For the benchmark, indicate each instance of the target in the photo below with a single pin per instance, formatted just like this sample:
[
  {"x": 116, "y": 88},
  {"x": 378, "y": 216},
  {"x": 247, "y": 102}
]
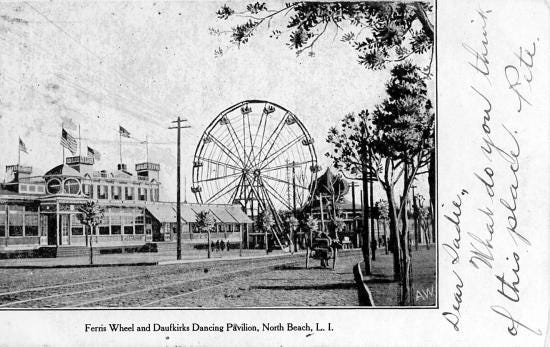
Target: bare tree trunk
[
  {"x": 394, "y": 235},
  {"x": 385, "y": 236},
  {"x": 405, "y": 259},
  {"x": 431, "y": 182},
  {"x": 209, "y": 246},
  {"x": 365, "y": 247},
  {"x": 404, "y": 238}
]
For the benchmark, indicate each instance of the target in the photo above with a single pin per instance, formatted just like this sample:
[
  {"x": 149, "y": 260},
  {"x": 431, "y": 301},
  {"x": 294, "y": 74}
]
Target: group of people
[{"x": 219, "y": 245}]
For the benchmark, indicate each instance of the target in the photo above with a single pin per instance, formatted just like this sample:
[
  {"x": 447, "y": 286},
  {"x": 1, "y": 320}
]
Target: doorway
[{"x": 52, "y": 229}]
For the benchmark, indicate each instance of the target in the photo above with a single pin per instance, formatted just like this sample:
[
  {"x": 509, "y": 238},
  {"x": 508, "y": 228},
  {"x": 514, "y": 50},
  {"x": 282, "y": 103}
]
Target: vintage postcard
[{"x": 216, "y": 173}]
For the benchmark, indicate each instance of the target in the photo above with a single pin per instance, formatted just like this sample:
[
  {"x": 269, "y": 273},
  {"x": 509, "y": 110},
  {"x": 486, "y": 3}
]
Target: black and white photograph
[
  {"x": 229, "y": 158},
  {"x": 159, "y": 159}
]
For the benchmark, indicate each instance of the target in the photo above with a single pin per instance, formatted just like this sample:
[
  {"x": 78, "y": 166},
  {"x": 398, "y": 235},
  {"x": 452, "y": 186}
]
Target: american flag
[
  {"x": 123, "y": 132},
  {"x": 92, "y": 153},
  {"x": 22, "y": 146},
  {"x": 68, "y": 141}
]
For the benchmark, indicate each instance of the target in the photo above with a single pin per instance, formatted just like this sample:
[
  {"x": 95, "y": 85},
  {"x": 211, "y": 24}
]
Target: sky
[{"x": 141, "y": 65}]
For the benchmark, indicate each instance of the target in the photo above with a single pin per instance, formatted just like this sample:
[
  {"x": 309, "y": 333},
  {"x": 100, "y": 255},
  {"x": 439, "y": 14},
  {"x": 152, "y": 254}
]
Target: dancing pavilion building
[{"x": 39, "y": 214}]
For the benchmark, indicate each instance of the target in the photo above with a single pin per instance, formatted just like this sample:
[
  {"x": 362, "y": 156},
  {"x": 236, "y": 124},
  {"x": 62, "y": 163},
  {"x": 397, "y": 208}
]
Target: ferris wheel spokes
[
  {"x": 222, "y": 192},
  {"x": 276, "y": 194},
  {"x": 216, "y": 162},
  {"x": 286, "y": 166},
  {"x": 277, "y": 131},
  {"x": 226, "y": 150},
  {"x": 218, "y": 177},
  {"x": 284, "y": 182},
  {"x": 279, "y": 151},
  {"x": 232, "y": 133}
]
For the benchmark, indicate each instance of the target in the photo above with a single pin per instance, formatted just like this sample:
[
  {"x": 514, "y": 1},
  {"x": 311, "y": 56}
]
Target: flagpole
[
  {"x": 79, "y": 143},
  {"x": 19, "y": 154},
  {"x": 147, "y": 147},
  {"x": 120, "y": 142}
]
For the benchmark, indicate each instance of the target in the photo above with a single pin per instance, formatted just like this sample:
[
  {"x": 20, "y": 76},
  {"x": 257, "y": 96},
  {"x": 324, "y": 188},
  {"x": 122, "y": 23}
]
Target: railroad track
[
  {"x": 137, "y": 290},
  {"x": 14, "y": 297}
]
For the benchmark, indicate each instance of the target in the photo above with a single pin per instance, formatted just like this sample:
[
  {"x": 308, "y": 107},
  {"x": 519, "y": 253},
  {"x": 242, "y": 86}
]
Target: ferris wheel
[{"x": 256, "y": 154}]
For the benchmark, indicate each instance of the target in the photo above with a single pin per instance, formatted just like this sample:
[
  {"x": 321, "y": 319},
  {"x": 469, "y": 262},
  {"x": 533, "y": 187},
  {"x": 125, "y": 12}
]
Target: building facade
[{"x": 42, "y": 211}]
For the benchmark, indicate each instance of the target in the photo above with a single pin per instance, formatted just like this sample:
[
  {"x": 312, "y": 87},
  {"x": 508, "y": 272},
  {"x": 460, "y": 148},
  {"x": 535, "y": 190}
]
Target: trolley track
[
  {"x": 164, "y": 284},
  {"x": 70, "y": 294},
  {"x": 176, "y": 269}
]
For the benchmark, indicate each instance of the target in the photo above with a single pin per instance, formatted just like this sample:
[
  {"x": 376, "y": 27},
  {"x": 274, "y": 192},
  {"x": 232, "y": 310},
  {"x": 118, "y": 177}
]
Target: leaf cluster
[
  {"x": 380, "y": 32},
  {"x": 91, "y": 213},
  {"x": 205, "y": 221},
  {"x": 404, "y": 121},
  {"x": 264, "y": 221}
]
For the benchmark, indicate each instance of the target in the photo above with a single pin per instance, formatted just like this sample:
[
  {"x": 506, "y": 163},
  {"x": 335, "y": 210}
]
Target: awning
[
  {"x": 200, "y": 208},
  {"x": 222, "y": 214},
  {"x": 187, "y": 214},
  {"x": 163, "y": 213},
  {"x": 238, "y": 214}
]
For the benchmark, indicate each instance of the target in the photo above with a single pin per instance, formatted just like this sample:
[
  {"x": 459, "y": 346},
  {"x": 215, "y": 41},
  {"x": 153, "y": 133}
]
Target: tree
[
  {"x": 264, "y": 223},
  {"x": 205, "y": 222},
  {"x": 382, "y": 211},
  {"x": 398, "y": 135},
  {"x": 380, "y": 32},
  {"x": 91, "y": 214},
  {"x": 313, "y": 227},
  {"x": 351, "y": 143},
  {"x": 404, "y": 124}
]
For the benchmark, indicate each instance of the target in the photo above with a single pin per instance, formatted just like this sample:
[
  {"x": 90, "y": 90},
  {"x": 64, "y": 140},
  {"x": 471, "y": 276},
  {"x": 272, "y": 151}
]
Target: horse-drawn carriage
[{"x": 323, "y": 248}]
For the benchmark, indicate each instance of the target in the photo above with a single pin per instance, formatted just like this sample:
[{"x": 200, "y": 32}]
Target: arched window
[
  {"x": 54, "y": 186},
  {"x": 71, "y": 186}
]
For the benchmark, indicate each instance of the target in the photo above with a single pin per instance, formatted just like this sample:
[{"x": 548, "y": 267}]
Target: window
[
  {"x": 139, "y": 229},
  {"x": 142, "y": 192},
  {"x": 115, "y": 192},
  {"x": 88, "y": 190},
  {"x": 128, "y": 222},
  {"x": 44, "y": 225},
  {"x": 76, "y": 227},
  {"x": 16, "y": 224},
  {"x": 103, "y": 230},
  {"x": 129, "y": 193},
  {"x": 31, "y": 225},
  {"x": 115, "y": 229},
  {"x": 71, "y": 186},
  {"x": 54, "y": 186},
  {"x": 2, "y": 223},
  {"x": 64, "y": 219},
  {"x": 102, "y": 192}
]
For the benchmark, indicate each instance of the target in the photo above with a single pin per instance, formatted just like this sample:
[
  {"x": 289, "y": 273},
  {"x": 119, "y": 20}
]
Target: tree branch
[{"x": 313, "y": 41}]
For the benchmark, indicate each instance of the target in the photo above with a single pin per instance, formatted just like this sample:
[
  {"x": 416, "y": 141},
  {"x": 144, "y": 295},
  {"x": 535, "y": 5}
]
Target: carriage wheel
[{"x": 307, "y": 258}]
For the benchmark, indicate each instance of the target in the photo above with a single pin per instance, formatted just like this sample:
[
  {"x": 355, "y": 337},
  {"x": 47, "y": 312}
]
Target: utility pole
[
  {"x": 179, "y": 126},
  {"x": 294, "y": 203},
  {"x": 354, "y": 222},
  {"x": 371, "y": 201},
  {"x": 415, "y": 216}
]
